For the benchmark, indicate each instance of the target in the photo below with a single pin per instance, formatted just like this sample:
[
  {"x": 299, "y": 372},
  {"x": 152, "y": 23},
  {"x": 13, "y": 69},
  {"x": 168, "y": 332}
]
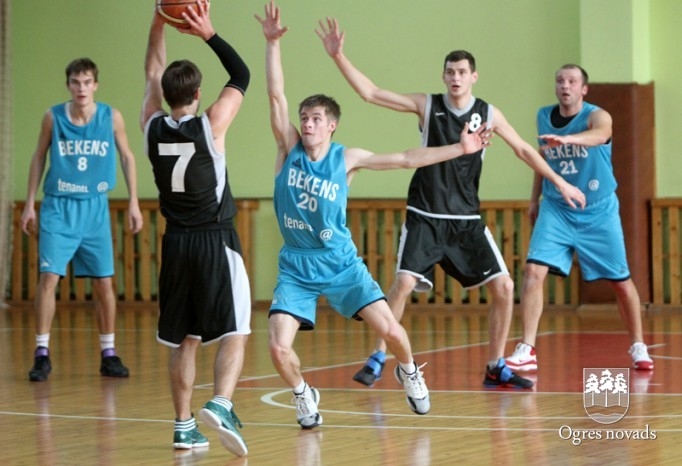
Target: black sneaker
[
  {"x": 502, "y": 376},
  {"x": 371, "y": 371},
  {"x": 41, "y": 366},
  {"x": 113, "y": 367}
]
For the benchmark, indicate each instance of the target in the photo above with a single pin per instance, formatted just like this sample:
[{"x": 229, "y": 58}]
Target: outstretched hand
[
  {"x": 272, "y": 30},
  {"x": 331, "y": 37},
  {"x": 199, "y": 21},
  {"x": 552, "y": 140},
  {"x": 474, "y": 141}
]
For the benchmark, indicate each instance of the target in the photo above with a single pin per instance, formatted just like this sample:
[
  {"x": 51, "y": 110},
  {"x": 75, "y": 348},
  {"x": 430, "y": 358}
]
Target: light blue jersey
[
  {"x": 587, "y": 168},
  {"x": 311, "y": 198},
  {"x": 319, "y": 257},
  {"x": 82, "y": 158},
  {"x": 74, "y": 215},
  {"x": 594, "y": 234}
]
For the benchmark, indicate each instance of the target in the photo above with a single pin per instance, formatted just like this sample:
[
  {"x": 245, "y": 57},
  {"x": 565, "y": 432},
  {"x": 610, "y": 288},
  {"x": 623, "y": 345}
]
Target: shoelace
[
  {"x": 417, "y": 383},
  {"x": 522, "y": 350},
  {"x": 301, "y": 401},
  {"x": 235, "y": 419},
  {"x": 639, "y": 352}
]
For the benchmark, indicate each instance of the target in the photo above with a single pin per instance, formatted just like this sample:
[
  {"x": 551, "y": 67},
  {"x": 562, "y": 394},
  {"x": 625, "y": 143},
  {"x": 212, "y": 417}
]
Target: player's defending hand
[
  {"x": 476, "y": 140},
  {"x": 332, "y": 39},
  {"x": 272, "y": 30}
]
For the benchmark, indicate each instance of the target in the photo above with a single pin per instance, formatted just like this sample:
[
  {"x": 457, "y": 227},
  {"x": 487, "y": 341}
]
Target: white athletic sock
[
  {"x": 222, "y": 401},
  {"x": 186, "y": 425},
  {"x": 106, "y": 341},
  {"x": 300, "y": 388},
  {"x": 43, "y": 340},
  {"x": 409, "y": 368}
]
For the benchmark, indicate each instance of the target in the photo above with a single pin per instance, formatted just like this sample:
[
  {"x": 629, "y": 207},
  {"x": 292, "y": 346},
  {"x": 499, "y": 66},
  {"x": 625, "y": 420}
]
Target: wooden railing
[
  {"x": 375, "y": 225},
  {"x": 137, "y": 258},
  {"x": 666, "y": 251}
]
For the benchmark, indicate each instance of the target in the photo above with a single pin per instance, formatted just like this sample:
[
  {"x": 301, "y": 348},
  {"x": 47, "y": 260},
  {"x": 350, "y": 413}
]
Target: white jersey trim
[{"x": 445, "y": 216}]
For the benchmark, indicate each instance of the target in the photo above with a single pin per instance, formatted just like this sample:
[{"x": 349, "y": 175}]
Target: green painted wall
[
  {"x": 666, "y": 37},
  {"x": 400, "y": 44}
]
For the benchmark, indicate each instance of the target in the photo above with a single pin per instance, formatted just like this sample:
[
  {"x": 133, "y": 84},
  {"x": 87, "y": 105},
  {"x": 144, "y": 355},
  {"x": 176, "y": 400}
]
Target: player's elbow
[
  {"x": 411, "y": 162},
  {"x": 367, "y": 97},
  {"x": 603, "y": 138},
  {"x": 408, "y": 159},
  {"x": 370, "y": 94}
]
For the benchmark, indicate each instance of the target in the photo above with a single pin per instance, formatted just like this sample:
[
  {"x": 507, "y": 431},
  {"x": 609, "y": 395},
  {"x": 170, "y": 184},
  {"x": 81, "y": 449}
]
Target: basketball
[{"x": 171, "y": 11}]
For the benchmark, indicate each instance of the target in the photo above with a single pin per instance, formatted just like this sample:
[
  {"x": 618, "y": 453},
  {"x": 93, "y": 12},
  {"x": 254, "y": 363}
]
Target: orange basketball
[{"x": 171, "y": 11}]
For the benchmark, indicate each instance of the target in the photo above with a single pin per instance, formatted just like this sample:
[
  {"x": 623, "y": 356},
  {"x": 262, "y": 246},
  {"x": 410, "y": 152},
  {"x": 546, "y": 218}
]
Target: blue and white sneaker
[
  {"x": 371, "y": 372},
  {"x": 502, "y": 376}
]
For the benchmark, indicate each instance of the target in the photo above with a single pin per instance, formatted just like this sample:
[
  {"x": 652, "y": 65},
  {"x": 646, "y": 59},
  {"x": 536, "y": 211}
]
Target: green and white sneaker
[
  {"x": 188, "y": 439},
  {"x": 225, "y": 423}
]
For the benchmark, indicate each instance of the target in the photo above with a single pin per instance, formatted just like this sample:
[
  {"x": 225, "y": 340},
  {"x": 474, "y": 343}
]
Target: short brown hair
[
  {"x": 571, "y": 66},
  {"x": 331, "y": 108},
  {"x": 458, "y": 55},
  {"x": 180, "y": 82},
  {"x": 81, "y": 65}
]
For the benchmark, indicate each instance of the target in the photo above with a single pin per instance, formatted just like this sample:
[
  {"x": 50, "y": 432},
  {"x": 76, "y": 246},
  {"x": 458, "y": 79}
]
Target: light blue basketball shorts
[
  {"x": 594, "y": 234},
  {"x": 339, "y": 275},
  {"x": 77, "y": 231}
]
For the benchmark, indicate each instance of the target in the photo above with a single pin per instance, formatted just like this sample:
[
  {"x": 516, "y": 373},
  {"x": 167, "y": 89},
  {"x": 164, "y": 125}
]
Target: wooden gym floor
[{"x": 78, "y": 417}]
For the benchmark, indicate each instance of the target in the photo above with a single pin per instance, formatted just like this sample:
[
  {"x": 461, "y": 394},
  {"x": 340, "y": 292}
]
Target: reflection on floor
[{"x": 78, "y": 417}]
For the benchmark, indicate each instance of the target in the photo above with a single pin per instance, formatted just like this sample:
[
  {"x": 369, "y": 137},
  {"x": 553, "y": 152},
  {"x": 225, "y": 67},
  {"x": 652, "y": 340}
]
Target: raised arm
[
  {"x": 533, "y": 159},
  {"x": 154, "y": 65},
  {"x": 222, "y": 112},
  {"x": 332, "y": 39},
  {"x": 357, "y": 159},
  {"x": 286, "y": 135}
]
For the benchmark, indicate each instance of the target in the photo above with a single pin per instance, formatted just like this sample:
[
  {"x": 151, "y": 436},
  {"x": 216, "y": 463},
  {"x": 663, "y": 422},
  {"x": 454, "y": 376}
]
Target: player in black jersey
[
  {"x": 319, "y": 257},
  {"x": 204, "y": 293},
  {"x": 443, "y": 223}
]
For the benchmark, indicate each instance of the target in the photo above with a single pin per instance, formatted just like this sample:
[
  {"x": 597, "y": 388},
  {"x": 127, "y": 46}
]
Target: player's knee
[
  {"x": 394, "y": 333},
  {"x": 48, "y": 282},
  {"x": 403, "y": 284},
  {"x": 624, "y": 288},
  {"x": 103, "y": 285},
  {"x": 503, "y": 287},
  {"x": 533, "y": 275},
  {"x": 507, "y": 284},
  {"x": 279, "y": 353}
]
